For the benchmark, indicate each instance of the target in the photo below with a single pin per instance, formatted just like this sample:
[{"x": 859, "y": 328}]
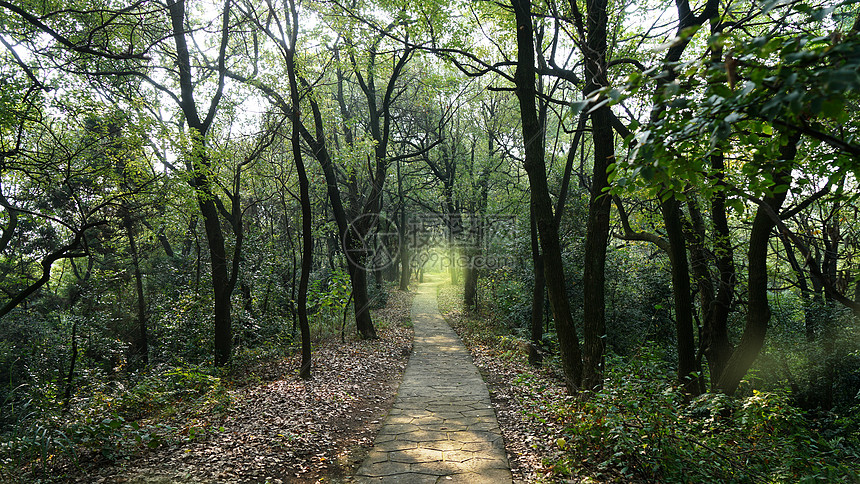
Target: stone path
[{"x": 442, "y": 428}]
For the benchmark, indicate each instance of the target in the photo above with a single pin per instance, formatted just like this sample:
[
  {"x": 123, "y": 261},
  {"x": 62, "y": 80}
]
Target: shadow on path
[{"x": 442, "y": 427}]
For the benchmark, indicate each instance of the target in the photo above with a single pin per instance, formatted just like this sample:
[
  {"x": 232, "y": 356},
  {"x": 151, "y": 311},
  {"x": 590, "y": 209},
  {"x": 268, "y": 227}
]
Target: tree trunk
[
  {"x": 220, "y": 279},
  {"x": 363, "y": 322},
  {"x": 470, "y": 286},
  {"x": 377, "y": 277},
  {"x": 11, "y": 225},
  {"x": 535, "y": 356},
  {"x": 198, "y": 165},
  {"x": 535, "y": 166},
  {"x": 758, "y": 308},
  {"x": 64, "y": 252},
  {"x": 806, "y": 295},
  {"x": 472, "y": 254},
  {"x": 715, "y": 333},
  {"x": 403, "y": 235},
  {"x": 142, "y": 344},
  {"x": 405, "y": 256},
  {"x": 857, "y": 294},
  {"x": 354, "y": 253},
  {"x": 307, "y": 258},
  {"x": 688, "y": 367},
  {"x": 304, "y": 196},
  {"x": 597, "y": 229},
  {"x": 695, "y": 234},
  {"x": 596, "y": 240},
  {"x": 162, "y": 239}
]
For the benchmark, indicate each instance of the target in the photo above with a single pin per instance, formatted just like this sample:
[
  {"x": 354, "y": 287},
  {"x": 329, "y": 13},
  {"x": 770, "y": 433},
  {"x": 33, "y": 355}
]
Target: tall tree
[{"x": 541, "y": 203}]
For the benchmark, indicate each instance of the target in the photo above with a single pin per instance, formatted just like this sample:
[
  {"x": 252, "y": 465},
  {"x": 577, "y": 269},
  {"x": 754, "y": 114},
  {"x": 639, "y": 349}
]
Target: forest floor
[{"x": 280, "y": 429}]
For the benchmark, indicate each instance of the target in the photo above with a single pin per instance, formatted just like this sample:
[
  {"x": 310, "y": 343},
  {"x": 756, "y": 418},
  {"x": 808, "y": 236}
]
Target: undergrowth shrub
[
  {"x": 639, "y": 427},
  {"x": 113, "y": 421}
]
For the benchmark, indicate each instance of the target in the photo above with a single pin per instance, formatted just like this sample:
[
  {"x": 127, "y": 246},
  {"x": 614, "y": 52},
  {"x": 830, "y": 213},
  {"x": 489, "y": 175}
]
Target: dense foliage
[{"x": 640, "y": 427}]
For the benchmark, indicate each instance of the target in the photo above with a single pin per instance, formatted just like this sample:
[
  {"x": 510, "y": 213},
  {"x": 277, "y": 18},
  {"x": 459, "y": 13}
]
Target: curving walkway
[{"x": 442, "y": 428}]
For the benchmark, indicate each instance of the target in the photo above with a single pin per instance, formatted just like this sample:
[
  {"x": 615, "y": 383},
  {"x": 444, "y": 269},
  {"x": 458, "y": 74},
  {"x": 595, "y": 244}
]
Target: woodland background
[{"x": 193, "y": 188}]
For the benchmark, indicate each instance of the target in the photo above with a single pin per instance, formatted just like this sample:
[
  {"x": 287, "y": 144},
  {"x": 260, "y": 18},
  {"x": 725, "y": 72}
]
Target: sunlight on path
[{"x": 442, "y": 428}]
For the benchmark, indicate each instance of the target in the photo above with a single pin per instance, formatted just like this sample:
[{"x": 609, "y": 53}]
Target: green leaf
[
  {"x": 576, "y": 107},
  {"x": 736, "y": 204},
  {"x": 721, "y": 90},
  {"x": 833, "y": 108}
]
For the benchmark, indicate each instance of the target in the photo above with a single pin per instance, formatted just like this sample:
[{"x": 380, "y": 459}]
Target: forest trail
[{"x": 442, "y": 427}]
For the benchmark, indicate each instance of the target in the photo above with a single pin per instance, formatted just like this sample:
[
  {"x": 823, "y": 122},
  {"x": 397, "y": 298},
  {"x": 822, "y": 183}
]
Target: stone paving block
[
  {"x": 468, "y": 436},
  {"x": 492, "y": 476},
  {"x": 376, "y": 456},
  {"x": 399, "y": 419},
  {"x": 464, "y": 420},
  {"x": 381, "y": 469},
  {"x": 435, "y": 468},
  {"x": 403, "y": 478},
  {"x": 422, "y": 421},
  {"x": 398, "y": 428},
  {"x": 415, "y": 456},
  {"x": 451, "y": 427},
  {"x": 384, "y": 437},
  {"x": 446, "y": 408},
  {"x": 480, "y": 413},
  {"x": 488, "y": 426},
  {"x": 393, "y": 445},
  {"x": 443, "y": 445},
  {"x": 482, "y": 447},
  {"x": 423, "y": 436},
  {"x": 480, "y": 464},
  {"x": 452, "y": 416},
  {"x": 458, "y": 456}
]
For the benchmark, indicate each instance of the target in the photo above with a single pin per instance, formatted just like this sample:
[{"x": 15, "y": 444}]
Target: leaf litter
[{"x": 285, "y": 429}]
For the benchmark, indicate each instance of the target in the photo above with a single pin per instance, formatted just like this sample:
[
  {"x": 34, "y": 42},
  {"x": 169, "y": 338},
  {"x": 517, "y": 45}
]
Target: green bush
[
  {"x": 640, "y": 427},
  {"x": 112, "y": 421}
]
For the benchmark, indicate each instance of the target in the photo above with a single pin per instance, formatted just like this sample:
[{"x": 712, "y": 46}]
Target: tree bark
[
  {"x": 162, "y": 239},
  {"x": 11, "y": 224},
  {"x": 470, "y": 283},
  {"x": 758, "y": 308},
  {"x": 597, "y": 228},
  {"x": 363, "y": 321},
  {"x": 142, "y": 344},
  {"x": 64, "y": 252},
  {"x": 403, "y": 236},
  {"x": 806, "y": 295},
  {"x": 304, "y": 197},
  {"x": 354, "y": 252},
  {"x": 199, "y": 164},
  {"x": 472, "y": 253},
  {"x": 535, "y": 356},
  {"x": 535, "y": 166},
  {"x": 688, "y": 367},
  {"x": 220, "y": 280},
  {"x": 715, "y": 333}
]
